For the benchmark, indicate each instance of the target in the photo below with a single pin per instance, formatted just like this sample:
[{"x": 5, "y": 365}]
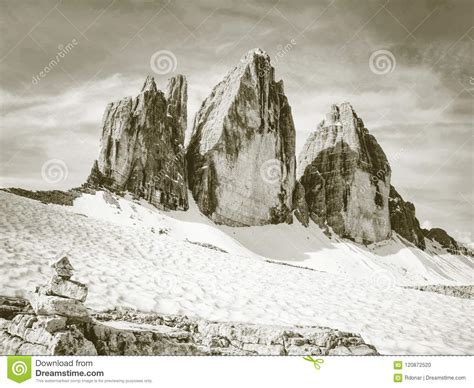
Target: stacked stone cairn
[
  {"x": 57, "y": 323},
  {"x": 61, "y": 296}
]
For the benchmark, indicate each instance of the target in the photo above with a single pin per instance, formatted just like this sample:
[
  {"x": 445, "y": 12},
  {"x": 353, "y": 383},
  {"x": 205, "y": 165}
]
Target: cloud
[
  {"x": 464, "y": 238},
  {"x": 426, "y": 224},
  {"x": 36, "y": 128}
]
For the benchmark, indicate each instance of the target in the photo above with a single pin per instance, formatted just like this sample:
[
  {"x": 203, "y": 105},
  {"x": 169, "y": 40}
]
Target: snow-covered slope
[
  {"x": 133, "y": 255},
  {"x": 396, "y": 259}
]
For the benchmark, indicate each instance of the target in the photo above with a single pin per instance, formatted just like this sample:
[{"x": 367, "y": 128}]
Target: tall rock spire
[
  {"x": 177, "y": 97},
  {"x": 241, "y": 156},
  {"x": 149, "y": 85},
  {"x": 346, "y": 177},
  {"x": 142, "y": 145}
]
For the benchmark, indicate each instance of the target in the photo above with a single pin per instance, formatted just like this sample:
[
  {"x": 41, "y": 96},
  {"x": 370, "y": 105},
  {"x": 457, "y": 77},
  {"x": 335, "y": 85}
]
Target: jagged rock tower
[
  {"x": 142, "y": 145},
  {"x": 241, "y": 156},
  {"x": 346, "y": 177}
]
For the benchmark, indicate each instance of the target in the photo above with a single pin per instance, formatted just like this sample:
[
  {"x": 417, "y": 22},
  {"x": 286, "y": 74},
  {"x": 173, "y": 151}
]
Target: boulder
[
  {"x": 34, "y": 335},
  {"x": 67, "y": 288},
  {"x": 241, "y": 155},
  {"x": 71, "y": 342},
  {"x": 55, "y": 305},
  {"x": 62, "y": 266}
]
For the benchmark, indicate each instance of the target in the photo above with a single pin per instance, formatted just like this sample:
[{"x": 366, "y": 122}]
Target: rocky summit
[
  {"x": 142, "y": 145},
  {"x": 346, "y": 177},
  {"x": 241, "y": 155}
]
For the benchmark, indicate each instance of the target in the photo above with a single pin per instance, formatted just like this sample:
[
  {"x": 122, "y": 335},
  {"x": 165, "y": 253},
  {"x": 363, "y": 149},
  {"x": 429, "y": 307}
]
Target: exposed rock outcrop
[
  {"x": 203, "y": 337},
  {"x": 346, "y": 177},
  {"x": 403, "y": 219},
  {"x": 241, "y": 156},
  {"x": 464, "y": 292},
  {"x": 142, "y": 145},
  {"x": 299, "y": 204},
  {"x": 127, "y": 332},
  {"x": 11, "y": 306},
  {"x": 446, "y": 241}
]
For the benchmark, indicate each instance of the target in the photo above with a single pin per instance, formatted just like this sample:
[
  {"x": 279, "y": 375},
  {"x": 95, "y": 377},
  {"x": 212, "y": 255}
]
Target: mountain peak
[
  {"x": 149, "y": 84},
  {"x": 254, "y": 53}
]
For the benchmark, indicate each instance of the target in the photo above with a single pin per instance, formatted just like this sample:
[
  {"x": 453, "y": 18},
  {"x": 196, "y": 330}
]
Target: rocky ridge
[
  {"x": 464, "y": 292},
  {"x": 403, "y": 219},
  {"x": 446, "y": 241}
]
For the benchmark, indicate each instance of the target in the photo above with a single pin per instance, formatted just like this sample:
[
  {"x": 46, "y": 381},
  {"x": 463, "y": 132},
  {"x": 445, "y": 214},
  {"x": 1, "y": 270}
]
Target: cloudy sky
[{"x": 406, "y": 67}]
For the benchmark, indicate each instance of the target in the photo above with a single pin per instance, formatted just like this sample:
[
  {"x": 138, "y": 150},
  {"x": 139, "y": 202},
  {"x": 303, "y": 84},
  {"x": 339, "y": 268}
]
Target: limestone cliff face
[
  {"x": 403, "y": 219},
  {"x": 241, "y": 156},
  {"x": 142, "y": 145},
  {"x": 346, "y": 177}
]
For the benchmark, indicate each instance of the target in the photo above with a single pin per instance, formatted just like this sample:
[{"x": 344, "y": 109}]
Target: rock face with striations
[
  {"x": 403, "y": 219},
  {"x": 241, "y": 163},
  {"x": 142, "y": 145},
  {"x": 346, "y": 177}
]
